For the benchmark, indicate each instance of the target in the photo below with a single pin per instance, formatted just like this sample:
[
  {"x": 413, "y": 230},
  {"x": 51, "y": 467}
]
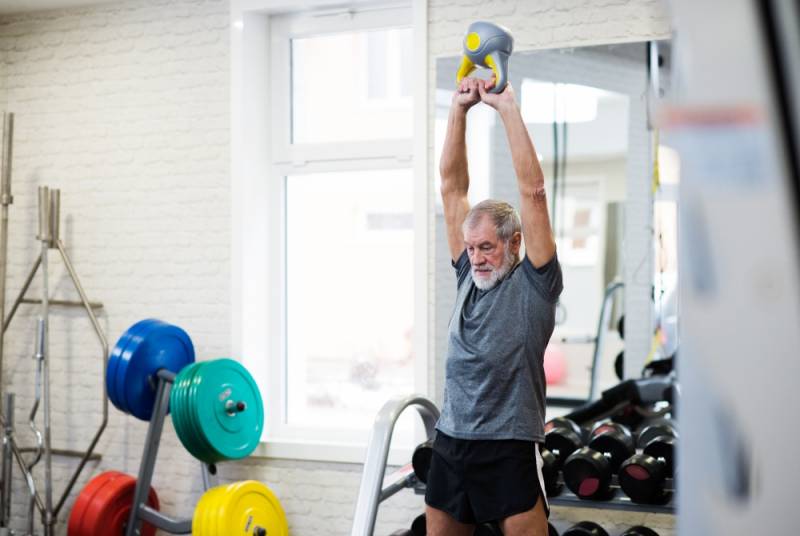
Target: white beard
[{"x": 496, "y": 274}]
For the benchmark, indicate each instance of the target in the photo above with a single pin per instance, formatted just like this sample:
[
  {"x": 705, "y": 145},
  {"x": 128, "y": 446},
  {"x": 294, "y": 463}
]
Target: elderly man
[{"x": 486, "y": 464}]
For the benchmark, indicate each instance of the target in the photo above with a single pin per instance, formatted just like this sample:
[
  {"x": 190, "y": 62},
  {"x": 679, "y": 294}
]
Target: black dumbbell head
[
  {"x": 550, "y": 473},
  {"x": 615, "y": 440},
  {"x": 551, "y": 530},
  {"x": 585, "y": 528},
  {"x": 663, "y": 448},
  {"x": 653, "y": 429},
  {"x": 562, "y": 438},
  {"x": 419, "y": 526},
  {"x": 563, "y": 422},
  {"x": 639, "y": 531},
  {"x": 587, "y": 473},
  {"x": 641, "y": 477},
  {"x": 421, "y": 460}
]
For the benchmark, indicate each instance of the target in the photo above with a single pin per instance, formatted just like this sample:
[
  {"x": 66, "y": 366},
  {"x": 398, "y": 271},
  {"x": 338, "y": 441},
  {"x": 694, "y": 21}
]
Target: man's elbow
[{"x": 535, "y": 193}]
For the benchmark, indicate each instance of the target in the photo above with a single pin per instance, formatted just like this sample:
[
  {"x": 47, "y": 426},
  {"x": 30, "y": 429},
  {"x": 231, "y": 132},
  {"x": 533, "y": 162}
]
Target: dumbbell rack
[
  {"x": 617, "y": 501},
  {"x": 374, "y": 488},
  {"x": 140, "y": 511}
]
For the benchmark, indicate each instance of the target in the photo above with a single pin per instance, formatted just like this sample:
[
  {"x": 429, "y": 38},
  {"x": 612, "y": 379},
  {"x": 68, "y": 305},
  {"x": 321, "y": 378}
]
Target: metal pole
[
  {"x": 8, "y": 432},
  {"x": 5, "y": 199},
  {"x": 55, "y": 216},
  {"x": 22, "y": 292},
  {"x": 104, "y": 348},
  {"x": 38, "y": 355},
  {"x": 600, "y": 340},
  {"x": 165, "y": 379},
  {"x": 45, "y": 237}
]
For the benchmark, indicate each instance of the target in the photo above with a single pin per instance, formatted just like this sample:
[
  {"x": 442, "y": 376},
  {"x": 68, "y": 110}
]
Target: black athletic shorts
[{"x": 477, "y": 481}]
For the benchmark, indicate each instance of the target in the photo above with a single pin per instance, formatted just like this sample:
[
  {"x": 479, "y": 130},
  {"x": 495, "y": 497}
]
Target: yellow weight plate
[
  {"x": 251, "y": 504},
  {"x": 205, "y": 511},
  {"x": 215, "y": 523}
]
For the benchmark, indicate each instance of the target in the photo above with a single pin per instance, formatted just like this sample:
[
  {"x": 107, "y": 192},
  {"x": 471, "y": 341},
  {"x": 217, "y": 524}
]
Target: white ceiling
[{"x": 20, "y": 6}]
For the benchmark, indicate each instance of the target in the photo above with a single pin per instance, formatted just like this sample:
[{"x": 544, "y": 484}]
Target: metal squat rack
[
  {"x": 374, "y": 488},
  {"x": 48, "y": 236},
  {"x": 140, "y": 510}
]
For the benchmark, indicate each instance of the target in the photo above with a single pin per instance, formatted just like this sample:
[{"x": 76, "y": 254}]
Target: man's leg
[
  {"x": 530, "y": 523},
  {"x": 440, "y": 523}
]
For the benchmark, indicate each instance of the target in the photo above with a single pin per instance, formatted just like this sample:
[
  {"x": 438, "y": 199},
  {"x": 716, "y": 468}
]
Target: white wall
[{"x": 126, "y": 108}]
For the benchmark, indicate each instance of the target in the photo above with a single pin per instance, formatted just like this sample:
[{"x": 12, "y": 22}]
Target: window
[{"x": 342, "y": 232}]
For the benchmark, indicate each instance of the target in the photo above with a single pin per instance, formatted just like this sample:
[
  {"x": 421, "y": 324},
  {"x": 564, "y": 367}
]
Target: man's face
[{"x": 490, "y": 257}]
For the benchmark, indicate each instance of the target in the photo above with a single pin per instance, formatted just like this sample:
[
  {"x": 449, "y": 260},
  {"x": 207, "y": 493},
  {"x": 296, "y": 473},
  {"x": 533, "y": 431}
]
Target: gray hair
[{"x": 504, "y": 216}]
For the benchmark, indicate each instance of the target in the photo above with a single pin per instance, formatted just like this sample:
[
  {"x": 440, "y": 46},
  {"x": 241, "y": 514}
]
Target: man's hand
[
  {"x": 467, "y": 95},
  {"x": 503, "y": 101}
]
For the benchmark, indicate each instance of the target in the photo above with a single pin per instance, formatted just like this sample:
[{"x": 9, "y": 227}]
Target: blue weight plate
[
  {"x": 122, "y": 366},
  {"x": 113, "y": 363},
  {"x": 162, "y": 346}
]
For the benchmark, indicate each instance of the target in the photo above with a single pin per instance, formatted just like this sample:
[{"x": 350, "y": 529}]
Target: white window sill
[{"x": 326, "y": 452}]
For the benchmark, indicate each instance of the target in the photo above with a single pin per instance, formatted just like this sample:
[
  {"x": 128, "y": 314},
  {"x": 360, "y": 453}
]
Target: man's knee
[
  {"x": 530, "y": 523},
  {"x": 440, "y": 523}
]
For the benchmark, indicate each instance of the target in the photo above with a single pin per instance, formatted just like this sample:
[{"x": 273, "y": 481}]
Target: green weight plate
[
  {"x": 205, "y": 451},
  {"x": 219, "y": 387},
  {"x": 175, "y": 402},
  {"x": 182, "y": 414}
]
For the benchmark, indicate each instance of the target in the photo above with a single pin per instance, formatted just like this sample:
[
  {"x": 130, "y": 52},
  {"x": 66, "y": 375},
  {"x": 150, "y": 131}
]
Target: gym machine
[
  {"x": 49, "y": 239},
  {"x": 599, "y": 341},
  {"x": 374, "y": 488}
]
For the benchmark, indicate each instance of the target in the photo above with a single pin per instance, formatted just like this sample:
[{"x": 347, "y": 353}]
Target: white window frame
[{"x": 260, "y": 163}]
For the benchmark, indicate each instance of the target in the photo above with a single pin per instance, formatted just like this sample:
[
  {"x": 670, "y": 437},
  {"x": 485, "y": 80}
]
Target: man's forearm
[
  {"x": 526, "y": 163},
  {"x": 453, "y": 164}
]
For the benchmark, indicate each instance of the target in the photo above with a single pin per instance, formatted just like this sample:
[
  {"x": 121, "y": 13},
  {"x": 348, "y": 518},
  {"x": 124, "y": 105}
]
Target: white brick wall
[{"x": 126, "y": 108}]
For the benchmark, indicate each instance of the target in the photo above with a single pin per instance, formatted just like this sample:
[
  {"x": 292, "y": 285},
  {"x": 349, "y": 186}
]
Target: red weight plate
[
  {"x": 110, "y": 507},
  {"x": 121, "y": 515},
  {"x": 76, "y": 516}
]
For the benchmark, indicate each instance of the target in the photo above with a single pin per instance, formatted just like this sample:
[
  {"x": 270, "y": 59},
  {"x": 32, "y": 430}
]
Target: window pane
[
  {"x": 352, "y": 86},
  {"x": 349, "y": 295}
]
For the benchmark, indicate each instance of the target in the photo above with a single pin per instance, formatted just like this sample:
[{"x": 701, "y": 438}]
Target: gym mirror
[{"x": 586, "y": 111}]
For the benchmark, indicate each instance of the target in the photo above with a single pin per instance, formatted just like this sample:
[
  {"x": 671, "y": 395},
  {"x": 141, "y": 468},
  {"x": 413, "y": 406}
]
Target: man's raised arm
[
  {"x": 540, "y": 245},
  {"x": 453, "y": 165}
]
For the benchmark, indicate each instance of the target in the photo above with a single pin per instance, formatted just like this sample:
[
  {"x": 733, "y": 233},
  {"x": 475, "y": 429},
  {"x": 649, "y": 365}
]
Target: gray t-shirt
[{"x": 494, "y": 379}]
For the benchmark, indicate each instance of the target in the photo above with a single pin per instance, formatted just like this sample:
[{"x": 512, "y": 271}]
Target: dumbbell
[
  {"x": 551, "y": 530},
  {"x": 585, "y": 528},
  {"x": 639, "y": 530},
  {"x": 421, "y": 460},
  {"x": 587, "y": 471},
  {"x": 552, "y": 486},
  {"x": 562, "y": 437},
  {"x": 419, "y": 527},
  {"x": 655, "y": 428},
  {"x": 643, "y": 476}
]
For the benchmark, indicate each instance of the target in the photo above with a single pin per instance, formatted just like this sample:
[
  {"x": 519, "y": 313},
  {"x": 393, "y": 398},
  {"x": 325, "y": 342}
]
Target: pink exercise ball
[{"x": 555, "y": 364}]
